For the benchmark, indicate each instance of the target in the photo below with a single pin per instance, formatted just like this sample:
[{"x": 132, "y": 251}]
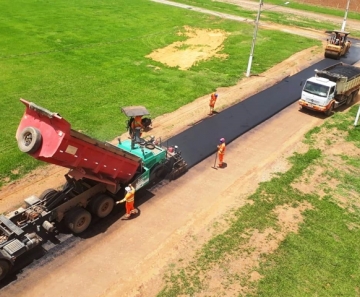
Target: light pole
[
  {"x": 346, "y": 12},
  {"x": 255, "y": 34}
]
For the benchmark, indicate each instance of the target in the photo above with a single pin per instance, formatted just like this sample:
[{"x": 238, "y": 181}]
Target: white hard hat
[{"x": 127, "y": 189}]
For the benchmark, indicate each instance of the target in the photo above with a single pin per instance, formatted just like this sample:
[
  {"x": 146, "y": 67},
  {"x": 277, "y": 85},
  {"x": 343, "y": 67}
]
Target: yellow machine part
[
  {"x": 332, "y": 55},
  {"x": 333, "y": 51}
]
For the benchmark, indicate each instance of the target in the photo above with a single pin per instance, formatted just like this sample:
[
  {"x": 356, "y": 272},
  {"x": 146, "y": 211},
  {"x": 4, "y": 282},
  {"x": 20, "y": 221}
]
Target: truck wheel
[
  {"x": 102, "y": 205},
  {"x": 355, "y": 94},
  {"x": 350, "y": 99},
  {"x": 47, "y": 194},
  {"x": 29, "y": 140},
  {"x": 330, "y": 110},
  {"x": 4, "y": 268},
  {"x": 78, "y": 220}
]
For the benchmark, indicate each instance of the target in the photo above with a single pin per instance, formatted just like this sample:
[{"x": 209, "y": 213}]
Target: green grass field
[{"x": 85, "y": 59}]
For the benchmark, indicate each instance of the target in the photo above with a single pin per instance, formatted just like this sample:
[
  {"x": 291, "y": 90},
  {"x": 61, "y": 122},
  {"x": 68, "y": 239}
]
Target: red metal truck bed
[{"x": 49, "y": 138}]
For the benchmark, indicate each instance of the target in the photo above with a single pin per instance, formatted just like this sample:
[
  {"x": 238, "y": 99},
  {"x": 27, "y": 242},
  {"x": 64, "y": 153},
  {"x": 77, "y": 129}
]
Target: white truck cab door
[{"x": 332, "y": 93}]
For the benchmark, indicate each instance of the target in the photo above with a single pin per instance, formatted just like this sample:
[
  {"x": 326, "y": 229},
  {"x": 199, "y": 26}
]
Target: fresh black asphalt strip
[{"x": 200, "y": 141}]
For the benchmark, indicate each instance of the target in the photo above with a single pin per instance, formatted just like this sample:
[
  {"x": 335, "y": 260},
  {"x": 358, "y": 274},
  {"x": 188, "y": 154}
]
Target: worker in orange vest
[
  {"x": 136, "y": 127},
  {"x": 129, "y": 199},
  {"x": 213, "y": 98},
  {"x": 136, "y": 124},
  {"x": 221, "y": 151}
]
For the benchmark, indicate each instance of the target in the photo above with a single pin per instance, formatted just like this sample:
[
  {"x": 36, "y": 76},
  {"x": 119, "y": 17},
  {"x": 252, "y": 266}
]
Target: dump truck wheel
[
  {"x": 350, "y": 99},
  {"x": 102, "y": 205},
  {"x": 29, "y": 140},
  {"x": 47, "y": 194},
  {"x": 78, "y": 220},
  {"x": 330, "y": 110},
  {"x": 4, "y": 268}
]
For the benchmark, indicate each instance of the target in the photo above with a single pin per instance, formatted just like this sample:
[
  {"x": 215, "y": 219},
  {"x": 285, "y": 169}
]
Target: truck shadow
[
  {"x": 99, "y": 226},
  {"x": 313, "y": 113},
  {"x": 323, "y": 116},
  {"x": 24, "y": 261},
  {"x": 58, "y": 244}
]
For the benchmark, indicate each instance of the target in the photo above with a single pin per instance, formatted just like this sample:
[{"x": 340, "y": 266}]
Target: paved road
[{"x": 199, "y": 142}]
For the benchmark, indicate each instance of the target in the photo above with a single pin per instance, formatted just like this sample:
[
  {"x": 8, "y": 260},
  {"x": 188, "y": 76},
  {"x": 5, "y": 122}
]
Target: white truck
[{"x": 330, "y": 88}]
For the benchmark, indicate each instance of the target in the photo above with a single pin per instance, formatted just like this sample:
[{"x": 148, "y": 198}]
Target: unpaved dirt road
[{"x": 128, "y": 258}]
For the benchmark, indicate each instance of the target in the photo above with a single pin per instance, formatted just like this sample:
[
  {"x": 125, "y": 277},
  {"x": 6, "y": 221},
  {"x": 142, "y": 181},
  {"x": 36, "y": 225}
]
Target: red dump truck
[{"x": 98, "y": 174}]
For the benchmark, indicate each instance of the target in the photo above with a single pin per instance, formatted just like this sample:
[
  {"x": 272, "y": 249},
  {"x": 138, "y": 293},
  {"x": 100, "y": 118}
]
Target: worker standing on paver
[
  {"x": 129, "y": 199},
  {"x": 213, "y": 98},
  {"x": 135, "y": 123},
  {"x": 136, "y": 127},
  {"x": 221, "y": 151}
]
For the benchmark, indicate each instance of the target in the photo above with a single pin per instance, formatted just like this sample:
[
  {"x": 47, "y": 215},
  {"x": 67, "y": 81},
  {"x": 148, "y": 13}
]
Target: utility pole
[
  {"x": 345, "y": 17},
  {"x": 261, "y": 3},
  {"x": 254, "y": 39}
]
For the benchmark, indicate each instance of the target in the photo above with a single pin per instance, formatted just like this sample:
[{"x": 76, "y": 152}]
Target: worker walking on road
[
  {"x": 129, "y": 199},
  {"x": 213, "y": 98},
  {"x": 221, "y": 151}
]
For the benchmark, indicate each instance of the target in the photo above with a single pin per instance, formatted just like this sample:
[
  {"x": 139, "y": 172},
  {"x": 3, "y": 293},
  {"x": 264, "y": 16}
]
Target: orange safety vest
[
  {"x": 221, "y": 149},
  {"x": 130, "y": 196},
  {"x": 136, "y": 122},
  {"x": 212, "y": 100}
]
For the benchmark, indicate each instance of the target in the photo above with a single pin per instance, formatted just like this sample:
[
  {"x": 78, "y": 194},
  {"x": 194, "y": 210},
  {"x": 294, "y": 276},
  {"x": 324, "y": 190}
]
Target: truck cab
[
  {"x": 318, "y": 93},
  {"x": 330, "y": 88}
]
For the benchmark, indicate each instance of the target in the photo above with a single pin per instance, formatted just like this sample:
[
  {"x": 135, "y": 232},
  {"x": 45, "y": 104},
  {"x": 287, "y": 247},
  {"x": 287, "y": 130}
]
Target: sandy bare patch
[
  {"x": 236, "y": 275},
  {"x": 322, "y": 178},
  {"x": 200, "y": 45}
]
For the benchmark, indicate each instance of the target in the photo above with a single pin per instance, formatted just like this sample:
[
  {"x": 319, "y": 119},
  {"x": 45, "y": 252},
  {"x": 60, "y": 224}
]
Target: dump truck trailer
[
  {"x": 98, "y": 173},
  {"x": 330, "y": 88}
]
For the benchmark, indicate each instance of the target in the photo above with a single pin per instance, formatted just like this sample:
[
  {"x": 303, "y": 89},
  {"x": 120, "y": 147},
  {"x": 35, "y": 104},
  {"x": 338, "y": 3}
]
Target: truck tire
[
  {"x": 47, "y": 194},
  {"x": 330, "y": 110},
  {"x": 102, "y": 205},
  {"x": 4, "y": 268},
  {"x": 349, "y": 100},
  {"x": 77, "y": 220},
  {"x": 29, "y": 140},
  {"x": 355, "y": 94}
]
